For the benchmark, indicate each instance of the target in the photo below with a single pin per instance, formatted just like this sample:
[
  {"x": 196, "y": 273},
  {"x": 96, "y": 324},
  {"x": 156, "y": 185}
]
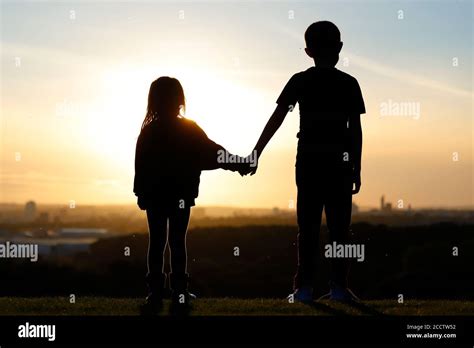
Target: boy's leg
[
  {"x": 178, "y": 226},
  {"x": 308, "y": 209},
  {"x": 338, "y": 210},
  {"x": 157, "y": 225}
]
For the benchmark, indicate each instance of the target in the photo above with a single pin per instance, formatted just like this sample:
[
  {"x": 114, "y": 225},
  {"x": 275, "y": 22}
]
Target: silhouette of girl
[{"x": 171, "y": 151}]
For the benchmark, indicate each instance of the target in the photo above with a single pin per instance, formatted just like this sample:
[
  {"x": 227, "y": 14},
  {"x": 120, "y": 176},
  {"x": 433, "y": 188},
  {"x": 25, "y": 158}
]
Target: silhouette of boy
[{"x": 328, "y": 161}]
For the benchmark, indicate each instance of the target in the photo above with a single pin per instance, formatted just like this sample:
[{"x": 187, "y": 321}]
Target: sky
[{"x": 75, "y": 77}]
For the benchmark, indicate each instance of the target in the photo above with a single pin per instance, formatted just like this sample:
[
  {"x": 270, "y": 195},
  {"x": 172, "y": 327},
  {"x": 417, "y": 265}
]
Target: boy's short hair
[{"x": 322, "y": 37}]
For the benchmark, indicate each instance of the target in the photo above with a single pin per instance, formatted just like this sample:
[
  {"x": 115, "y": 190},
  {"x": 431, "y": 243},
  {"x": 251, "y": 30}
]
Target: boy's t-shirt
[{"x": 327, "y": 99}]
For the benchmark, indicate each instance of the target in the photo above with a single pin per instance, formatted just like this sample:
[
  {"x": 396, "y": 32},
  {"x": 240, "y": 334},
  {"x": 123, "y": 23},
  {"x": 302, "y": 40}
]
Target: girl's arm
[
  {"x": 214, "y": 156},
  {"x": 138, "y": 181}
]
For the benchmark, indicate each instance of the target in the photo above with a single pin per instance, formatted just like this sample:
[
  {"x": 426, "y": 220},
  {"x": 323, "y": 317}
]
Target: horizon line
[{"x": 424, "y": 207}]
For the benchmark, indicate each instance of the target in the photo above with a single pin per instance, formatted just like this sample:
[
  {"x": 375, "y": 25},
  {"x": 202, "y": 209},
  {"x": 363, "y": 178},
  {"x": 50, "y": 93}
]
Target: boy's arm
[
  {"x": 270, "y": 129},
  {"x": 355, "y": 129}
]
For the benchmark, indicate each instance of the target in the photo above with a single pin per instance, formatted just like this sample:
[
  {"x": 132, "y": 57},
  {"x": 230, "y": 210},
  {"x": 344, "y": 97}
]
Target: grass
[{"x": 90, "y": 306}]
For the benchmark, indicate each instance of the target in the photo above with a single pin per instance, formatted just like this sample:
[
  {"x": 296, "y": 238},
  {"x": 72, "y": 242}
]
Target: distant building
[
  {"x": 82, "y": 232},
  {"x": 385, "y": 207},
  {"x": 43, "y": 218},
  {"x": 30, "y": 211}
]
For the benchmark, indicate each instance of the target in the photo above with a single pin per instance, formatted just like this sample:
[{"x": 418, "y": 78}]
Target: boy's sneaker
[
  {"x": 303, "y": 294},
  {"x": 184, "y": 298},
  {"x": 181, "y": 303},
  {"x": 340, "y": 294},
  {"x": 179, "y": 285}
]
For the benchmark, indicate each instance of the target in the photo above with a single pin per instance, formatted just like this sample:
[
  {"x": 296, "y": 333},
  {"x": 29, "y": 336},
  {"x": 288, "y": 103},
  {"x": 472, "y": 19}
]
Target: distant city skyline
[{"x": 33, "y": 208}]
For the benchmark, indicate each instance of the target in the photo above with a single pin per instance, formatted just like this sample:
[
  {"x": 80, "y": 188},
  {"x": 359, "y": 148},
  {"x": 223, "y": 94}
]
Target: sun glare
[{"x": 223, "y": 109}]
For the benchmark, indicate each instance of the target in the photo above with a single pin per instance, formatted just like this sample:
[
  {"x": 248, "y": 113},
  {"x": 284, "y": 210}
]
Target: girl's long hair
[{"x": 165, "y": 100}]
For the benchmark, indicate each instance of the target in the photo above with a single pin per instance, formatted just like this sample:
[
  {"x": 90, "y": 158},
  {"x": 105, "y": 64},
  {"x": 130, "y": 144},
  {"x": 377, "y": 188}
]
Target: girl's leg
[
  {"x": 179, "y": 220},
  {"x": 178, "y": 226},
  {"x": 157, "y": 226}
]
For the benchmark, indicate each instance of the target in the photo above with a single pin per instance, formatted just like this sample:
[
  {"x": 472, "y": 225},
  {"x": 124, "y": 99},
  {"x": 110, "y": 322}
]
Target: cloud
[
  {"x": 10, "y": 49},
  {"x": 39, "y": 178},
  {"x": 395, "y": 73},
  {"x": 406, "y": 77}
]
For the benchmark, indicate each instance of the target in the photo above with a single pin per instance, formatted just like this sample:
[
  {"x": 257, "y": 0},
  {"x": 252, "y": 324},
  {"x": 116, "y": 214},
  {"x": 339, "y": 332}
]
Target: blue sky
[{"x": 233, "y": 59}]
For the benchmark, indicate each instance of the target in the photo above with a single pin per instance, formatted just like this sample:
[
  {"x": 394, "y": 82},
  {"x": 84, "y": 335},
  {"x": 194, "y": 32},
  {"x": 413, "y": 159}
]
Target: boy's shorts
[{"x": 166, "y": 204}]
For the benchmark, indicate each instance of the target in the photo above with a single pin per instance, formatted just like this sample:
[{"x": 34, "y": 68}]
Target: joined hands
[
  {"x": 250, "y": 166},
  {"x": 244, "y": 166}
]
